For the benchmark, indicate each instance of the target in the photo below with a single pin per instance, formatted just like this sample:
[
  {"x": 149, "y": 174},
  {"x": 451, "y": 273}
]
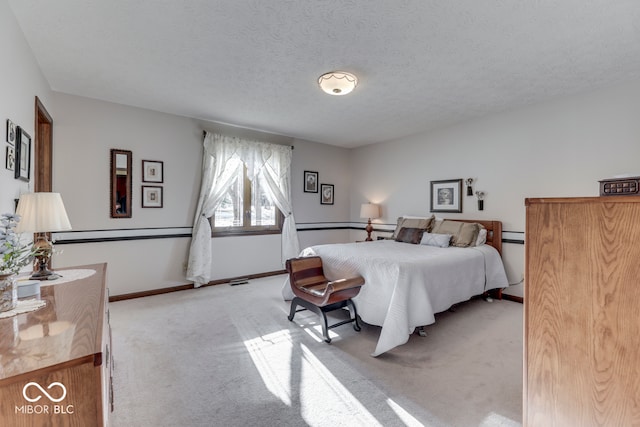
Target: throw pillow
[
  {"x": 438, "y": 240},
  {"x": 410, "y": 235}
]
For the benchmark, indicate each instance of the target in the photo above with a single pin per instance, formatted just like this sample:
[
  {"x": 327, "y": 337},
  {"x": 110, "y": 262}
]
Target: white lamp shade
[
  {"x": 369, "y": 210},
  {"x": 338, "y": 82},
  {"x": 42, "y": 213}
]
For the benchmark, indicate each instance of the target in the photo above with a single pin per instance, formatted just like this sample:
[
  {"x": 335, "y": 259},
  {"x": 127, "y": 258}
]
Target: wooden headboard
[{"x": 494, "y": 231}]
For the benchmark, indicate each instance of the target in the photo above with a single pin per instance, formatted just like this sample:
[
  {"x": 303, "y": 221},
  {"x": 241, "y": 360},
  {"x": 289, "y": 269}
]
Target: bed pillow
[
  {"x": 468, "y": 235},
  {"x": 438, "y": 240},
  {"x": 482, "y": 237},
  {"x": 424, "y": 223},
  {"x": 410, "y": 235},
  {"x": 464, "y": 234},
  {"x": 447, "y": 226}
]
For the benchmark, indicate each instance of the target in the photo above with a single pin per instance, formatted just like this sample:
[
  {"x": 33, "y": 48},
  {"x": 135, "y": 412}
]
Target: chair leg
[
  {"x": 325, "y": 327},
  {"x": 292, "y": 312},
  {"x": 321, "y": 311},
  {"x": 354, "y": 315}
]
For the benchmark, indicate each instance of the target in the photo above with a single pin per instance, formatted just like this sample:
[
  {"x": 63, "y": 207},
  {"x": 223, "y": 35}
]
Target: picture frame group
[
  {"x": 152, "y": 172},
  {"x": 18, "y": 151},
  {"x": 312, "y": 185}
]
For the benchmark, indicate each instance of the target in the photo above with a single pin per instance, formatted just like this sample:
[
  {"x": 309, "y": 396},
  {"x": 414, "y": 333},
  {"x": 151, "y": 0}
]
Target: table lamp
[
  {"x": 371, "y": 211},
  {"x": 42, "y": 213}
]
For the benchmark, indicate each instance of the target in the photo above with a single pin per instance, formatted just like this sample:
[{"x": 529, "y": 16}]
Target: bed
[{"x": 407, "y": 284}]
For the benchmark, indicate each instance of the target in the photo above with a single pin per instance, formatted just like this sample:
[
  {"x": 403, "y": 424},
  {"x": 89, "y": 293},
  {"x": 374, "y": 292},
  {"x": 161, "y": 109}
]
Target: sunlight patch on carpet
[
  {"x": 293, "y": 373},
  {"x": 316, "y": 380},
  {"x": 261, "y": 350},
  {"x": 497, "y": 420},
  {"x": 408, "y": 419}
]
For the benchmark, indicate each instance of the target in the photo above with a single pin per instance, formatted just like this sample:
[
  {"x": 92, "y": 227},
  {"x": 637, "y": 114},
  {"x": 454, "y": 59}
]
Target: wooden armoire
[{"x": 582, "y": 312}]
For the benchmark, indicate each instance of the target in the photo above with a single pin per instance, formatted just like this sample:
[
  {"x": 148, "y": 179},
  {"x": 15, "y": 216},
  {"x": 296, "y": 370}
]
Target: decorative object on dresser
[
  {"x": 15, "y": 255},
  {"x": 620, "y": 186},
  {"x": 446, "y": 195},
  {"x": 56, "y": 361},
  {"x": 480, "y": 195},
  {"x": 42, "y": 213},
  {"x": 326, "y": 194},
  {"x": 310, "y": 182},
  {"x": 153, "y": 171},
  {"x": 581, "y": 317},
  {"x": 370, "y": 211},
  {"x": 22, "y": 169}
]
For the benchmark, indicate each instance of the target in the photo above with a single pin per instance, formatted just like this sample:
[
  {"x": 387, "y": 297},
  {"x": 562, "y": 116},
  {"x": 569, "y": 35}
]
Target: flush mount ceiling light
[{"x": 337, "y": 82}]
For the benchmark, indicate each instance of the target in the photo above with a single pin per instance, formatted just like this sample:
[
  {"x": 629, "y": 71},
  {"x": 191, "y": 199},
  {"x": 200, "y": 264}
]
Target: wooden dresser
[
  {"x": 582, "y": 312},
  {"x": 55, "y": 363}
]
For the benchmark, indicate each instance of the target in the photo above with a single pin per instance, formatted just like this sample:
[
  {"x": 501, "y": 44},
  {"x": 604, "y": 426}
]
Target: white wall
[
  {"x": 84, "y": 132},
  {"x": 333, "y": 167},
  {"x": 20, "y": 82},
  {"x": 560, "y": 148}
]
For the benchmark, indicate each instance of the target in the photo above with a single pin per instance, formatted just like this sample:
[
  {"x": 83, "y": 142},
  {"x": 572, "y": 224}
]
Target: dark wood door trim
[{"x": 43, "y": 171}]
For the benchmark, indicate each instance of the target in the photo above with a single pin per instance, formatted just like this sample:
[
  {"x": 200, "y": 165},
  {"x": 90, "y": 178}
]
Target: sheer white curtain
[{"x": 224, "y": 156}]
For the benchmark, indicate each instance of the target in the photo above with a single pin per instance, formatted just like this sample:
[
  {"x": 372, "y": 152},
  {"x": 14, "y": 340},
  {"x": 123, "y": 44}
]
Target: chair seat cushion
[{"x": 317, "y": 289}]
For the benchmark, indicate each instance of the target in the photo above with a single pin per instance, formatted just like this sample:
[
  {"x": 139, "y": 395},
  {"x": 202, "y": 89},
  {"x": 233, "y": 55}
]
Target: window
[{"x": 247, "y": 208}]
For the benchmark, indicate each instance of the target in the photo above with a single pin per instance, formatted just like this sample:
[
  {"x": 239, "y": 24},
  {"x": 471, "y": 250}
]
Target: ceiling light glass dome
[{"x": 338, "y": 82}]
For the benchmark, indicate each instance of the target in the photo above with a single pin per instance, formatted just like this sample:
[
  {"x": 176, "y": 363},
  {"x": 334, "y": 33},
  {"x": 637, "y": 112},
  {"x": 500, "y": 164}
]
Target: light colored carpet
[{"x": 228, "y": 356}]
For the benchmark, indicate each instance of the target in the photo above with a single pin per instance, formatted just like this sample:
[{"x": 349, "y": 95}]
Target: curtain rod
[{"x": 204, "y": 135}]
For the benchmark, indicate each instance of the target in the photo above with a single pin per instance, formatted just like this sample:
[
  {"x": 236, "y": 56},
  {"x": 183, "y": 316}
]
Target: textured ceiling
[{"x": 254, "y": 63}]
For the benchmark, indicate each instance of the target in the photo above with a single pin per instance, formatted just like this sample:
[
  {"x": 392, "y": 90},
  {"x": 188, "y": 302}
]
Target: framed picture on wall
[
  {"x": 11, "y": 132},
  {"x": 10, "y": 162},
  {"x": 152, "y": 171},
  {"x": 23, "y": 155},
  {"x": 151, "y": 196},
  {"x": 310, "y": 182},
  {"x": 446, "y": 195},
  {"x": 326, "y": 194}
]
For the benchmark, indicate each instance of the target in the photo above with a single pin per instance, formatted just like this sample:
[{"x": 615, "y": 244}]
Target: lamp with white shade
[
  {"x": 42, "y": 213},
  {"x": 370, "y": 211}
]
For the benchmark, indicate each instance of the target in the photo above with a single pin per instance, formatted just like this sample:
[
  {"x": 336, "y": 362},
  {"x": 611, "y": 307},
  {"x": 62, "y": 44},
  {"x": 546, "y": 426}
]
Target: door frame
[{"x": 43, "y": 170}]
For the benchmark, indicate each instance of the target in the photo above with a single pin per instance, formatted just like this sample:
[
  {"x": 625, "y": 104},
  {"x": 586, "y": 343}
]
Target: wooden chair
[{"x": 316, "y": 293}]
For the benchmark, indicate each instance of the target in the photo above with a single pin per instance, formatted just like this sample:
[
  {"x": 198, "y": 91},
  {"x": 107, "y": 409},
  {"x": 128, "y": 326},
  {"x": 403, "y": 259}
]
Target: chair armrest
[{"x": 342, "y": 284}]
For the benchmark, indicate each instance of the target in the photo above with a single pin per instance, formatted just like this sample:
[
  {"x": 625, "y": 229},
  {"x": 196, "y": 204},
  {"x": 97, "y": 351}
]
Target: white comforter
[{"x": 405, "y": 284}]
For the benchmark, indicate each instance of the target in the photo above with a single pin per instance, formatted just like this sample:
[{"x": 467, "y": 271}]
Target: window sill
[{"x": 244, "y": 233}]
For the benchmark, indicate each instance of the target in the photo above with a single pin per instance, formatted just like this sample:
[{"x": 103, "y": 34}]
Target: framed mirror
[{"x": 120, "y": 183}]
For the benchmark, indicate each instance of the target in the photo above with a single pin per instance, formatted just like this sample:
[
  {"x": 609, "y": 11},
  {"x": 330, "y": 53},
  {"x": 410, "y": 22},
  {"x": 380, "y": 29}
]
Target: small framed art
[
  {"x": 11, "y": 132},
  {"x": 310, "y": 182},
  {"x": 23, "y": 155},
  {"x": 10, "y": 162},
  {"x": 152, "y": 171},
  {"x": 151, "y": 196},
  {"x": 326, "y": 194},
  {"x": 446, "y": 195}
]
